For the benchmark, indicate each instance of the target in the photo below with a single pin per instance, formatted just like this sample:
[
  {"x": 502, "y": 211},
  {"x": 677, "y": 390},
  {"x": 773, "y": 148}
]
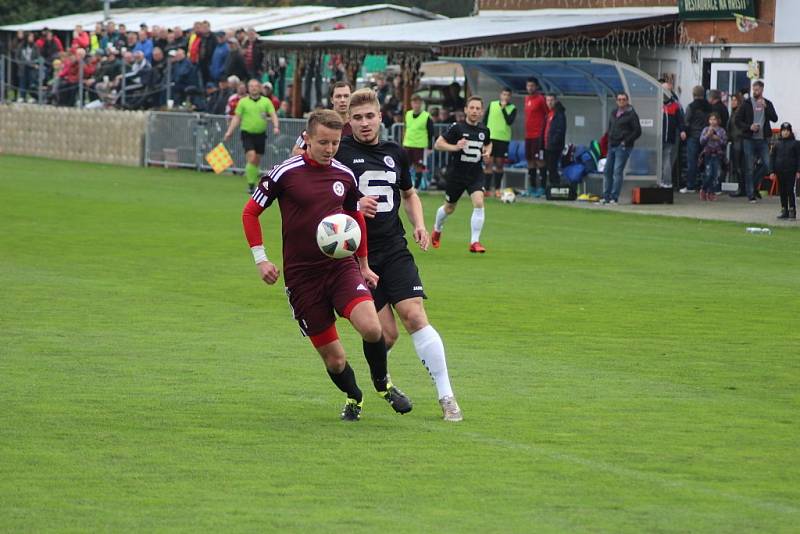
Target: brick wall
[{"x": 702, "y": 30}]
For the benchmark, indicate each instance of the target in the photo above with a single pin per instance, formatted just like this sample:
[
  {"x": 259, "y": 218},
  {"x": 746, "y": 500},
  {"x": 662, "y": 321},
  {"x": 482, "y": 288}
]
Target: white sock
[
  {"x": 430, "y": 351},
  {"x": 441, "y": 216},
  {"x": 477, "y": 224}
]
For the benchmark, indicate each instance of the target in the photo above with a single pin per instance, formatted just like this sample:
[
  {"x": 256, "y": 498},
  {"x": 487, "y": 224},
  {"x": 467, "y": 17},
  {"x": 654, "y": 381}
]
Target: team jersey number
[
  {"x": 379, "y": 184},
  {"x": 471, "y": 153}
]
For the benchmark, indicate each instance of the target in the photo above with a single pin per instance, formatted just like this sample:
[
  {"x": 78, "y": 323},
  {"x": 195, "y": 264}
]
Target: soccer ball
[
  {"x": 338, "y": 236},
  {"x": 508, "y": 196}
]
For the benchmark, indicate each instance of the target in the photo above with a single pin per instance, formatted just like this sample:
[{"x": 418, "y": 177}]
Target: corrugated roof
[
  {"x": 487, "y": 26},
  {"x": 221, "y": 18}
]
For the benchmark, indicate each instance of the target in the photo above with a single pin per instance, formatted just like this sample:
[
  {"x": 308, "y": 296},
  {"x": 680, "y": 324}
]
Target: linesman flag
[{"x": 219, "y": 158}]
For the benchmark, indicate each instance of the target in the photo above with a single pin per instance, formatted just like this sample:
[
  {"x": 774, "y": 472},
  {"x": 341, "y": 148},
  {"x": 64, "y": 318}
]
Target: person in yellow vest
[
  {"x": 499, "y": 118},
  {"x": 417, "y": 137}
]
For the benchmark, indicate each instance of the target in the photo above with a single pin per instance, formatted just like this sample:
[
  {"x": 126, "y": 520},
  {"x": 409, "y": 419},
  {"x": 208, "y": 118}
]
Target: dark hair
[
  {"x": 337, "y": 85},
  {"x": 662, "y": 80},
  {"x": 715, "y": 115},
  {"x": 623, "y": 93},
  {"x": 506, "y": 90},
  {"x": 533, "y": 79},
  {"x": 759, "y": 83},
  {"x": 325, "y": 117}
]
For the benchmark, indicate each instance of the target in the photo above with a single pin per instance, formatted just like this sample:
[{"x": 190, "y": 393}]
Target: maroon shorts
[
  {"x": 314, "y": 297},
  {"x": 533, "y": 149},
  {"x": 416, "y": 156}
]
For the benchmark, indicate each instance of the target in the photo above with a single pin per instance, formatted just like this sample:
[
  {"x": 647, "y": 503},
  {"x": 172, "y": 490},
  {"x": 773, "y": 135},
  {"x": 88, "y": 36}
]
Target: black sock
[
  {"x": 346, "y": 382},
  {"x": 532, "y": 177},
  {"x": 498, "y": 180},
  {"x": 487, "y": 180},
  {"x": 375, "y": 353}
]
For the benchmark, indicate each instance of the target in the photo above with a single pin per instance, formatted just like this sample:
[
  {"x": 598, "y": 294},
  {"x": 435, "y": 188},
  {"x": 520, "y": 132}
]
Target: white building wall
[
  {"x": 781, "y": 72},
  {"x": 787, "y": 21}
]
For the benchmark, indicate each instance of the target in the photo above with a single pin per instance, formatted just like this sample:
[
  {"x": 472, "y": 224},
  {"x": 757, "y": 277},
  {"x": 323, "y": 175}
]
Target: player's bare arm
[
  {"x": 369, "y": 275},
  {"x": 276, "y": 126},
  {"x": 444, "y": 146},
  {"x": 413, "y": 207},
  {"x": 237, "y": 119}
]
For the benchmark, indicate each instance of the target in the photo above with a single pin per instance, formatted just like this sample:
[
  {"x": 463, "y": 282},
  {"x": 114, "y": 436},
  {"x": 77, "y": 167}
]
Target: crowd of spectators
[{"x": 116, "y": 66}]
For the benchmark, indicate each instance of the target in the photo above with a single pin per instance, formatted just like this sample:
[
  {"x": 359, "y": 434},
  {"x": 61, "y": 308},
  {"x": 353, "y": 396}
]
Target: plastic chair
[{"x": 773, "y": 184}]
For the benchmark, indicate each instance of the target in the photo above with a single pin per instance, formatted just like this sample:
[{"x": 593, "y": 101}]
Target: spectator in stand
[
  {"x": 161, "y": 37},
  {"x": 382, "y": 88},
  {"x": 785, "y": 164},
  {"x": 737, "y": 152},
  {"x": 144, "y": 45},
  {"x": 156, "y": 81},
  {"x": 445, "y": 117},
  {"x": 754, "y": 118},
  {"x": 49, "y": 46},
  {"x": 452, "y": 98},
  {"x": 110, "y": 37},
  {"x": 713, "y": 140},
  {"x": 96, "y": 38},
  {"x": 239, "y": 92},
  {"x": 180, "y": 39},
  {"x": 80, "y": 39},
  {"x": 284, "y": 111},
  {"x": 219, "y": 102},
  {"x": 132, "y": 39},
  {"x": 253, "y": 55},
  {"x": 172, "y": 43},
  {"x": 109, "y": 69},
  {"x": 696, "y": 120},
  {"x": 208, "y": 44},
  {"x": 234, "y": 63},
  {"x": 71, "y": 73},
  {"x": 185, "y": 77},
  {"x": 195, "y": 40},
  {"x": 555, "y": 135},
  {"x": 673, "y": 132},
  {"x": 623, "y": 131},
  {"x": 267, "y": 90},
  {"x": 220, "y": 55},
  {"x": 27, "y": 58},
  {"x": 122, "y": 41}
]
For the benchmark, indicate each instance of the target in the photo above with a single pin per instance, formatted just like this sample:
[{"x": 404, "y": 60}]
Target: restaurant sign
[{"x": 715, "y": 9}]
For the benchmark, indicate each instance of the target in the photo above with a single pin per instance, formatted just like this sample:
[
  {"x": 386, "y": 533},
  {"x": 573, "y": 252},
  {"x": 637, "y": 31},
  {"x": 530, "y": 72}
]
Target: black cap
[{"x": 786, "y": 126}]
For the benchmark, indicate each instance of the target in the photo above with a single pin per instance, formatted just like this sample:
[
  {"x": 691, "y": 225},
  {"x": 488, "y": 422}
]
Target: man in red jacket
[{"x": 535, "y": 117}]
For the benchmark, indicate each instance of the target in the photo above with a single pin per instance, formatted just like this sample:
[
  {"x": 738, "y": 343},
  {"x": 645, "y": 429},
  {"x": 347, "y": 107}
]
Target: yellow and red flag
[{"x": 219, "y": 158}]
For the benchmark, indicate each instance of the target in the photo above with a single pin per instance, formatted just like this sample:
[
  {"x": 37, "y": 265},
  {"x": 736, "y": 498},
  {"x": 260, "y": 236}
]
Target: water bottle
[{"x": 757, "y": 230}]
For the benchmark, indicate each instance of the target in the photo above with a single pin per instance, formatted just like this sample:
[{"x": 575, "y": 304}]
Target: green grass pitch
[{"x": 617, "y": 372}]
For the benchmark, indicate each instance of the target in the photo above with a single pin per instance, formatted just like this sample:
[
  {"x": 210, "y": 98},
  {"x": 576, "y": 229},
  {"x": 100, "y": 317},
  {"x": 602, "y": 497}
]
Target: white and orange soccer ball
[{"x": 338, "y": 236}]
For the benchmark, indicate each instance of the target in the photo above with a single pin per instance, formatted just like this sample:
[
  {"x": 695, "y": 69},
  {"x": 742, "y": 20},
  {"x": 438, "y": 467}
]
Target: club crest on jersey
[
  {"x": 481, "y": 136},
  {"x": 388, "y": 161},
  {"x": 338, "y": 188}
]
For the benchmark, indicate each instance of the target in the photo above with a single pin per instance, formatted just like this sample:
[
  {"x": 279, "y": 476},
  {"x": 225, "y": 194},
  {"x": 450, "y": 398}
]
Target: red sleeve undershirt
[
  {"x": 362, "y": 250},
  {"x": 252, "y": 228}
]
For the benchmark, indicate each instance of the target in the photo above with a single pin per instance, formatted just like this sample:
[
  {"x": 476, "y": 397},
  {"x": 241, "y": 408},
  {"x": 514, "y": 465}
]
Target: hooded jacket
[
  {"x": 625, "y": 128},
  {"x": 697, "y": 117},
  {"x": 785, "y": 156}
]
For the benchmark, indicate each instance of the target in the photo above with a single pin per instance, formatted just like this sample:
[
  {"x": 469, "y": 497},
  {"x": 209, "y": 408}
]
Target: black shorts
[
  {"x": 399, "y": 278},
  {"x": 416, "y": 156},
  {"x": 457, "y": 185},
  {"x": 499, "y": 149},
  {"x": 257, "y": 142}
]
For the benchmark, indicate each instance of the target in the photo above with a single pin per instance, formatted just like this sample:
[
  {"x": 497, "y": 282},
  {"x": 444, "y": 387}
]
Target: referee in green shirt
[{"x": 251, "y": 113}]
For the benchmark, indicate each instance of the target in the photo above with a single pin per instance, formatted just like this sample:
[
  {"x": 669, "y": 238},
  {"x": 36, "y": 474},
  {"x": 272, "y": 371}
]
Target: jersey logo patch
[
  {"x": 358, "y": 160},
  {"x": 481, "y": 136},
  {"x": 361, "y": 287},
  {"x": 338, "y": 188},
  {"x": 388, "y": 161},
  {"x": 417, "y": 288}
]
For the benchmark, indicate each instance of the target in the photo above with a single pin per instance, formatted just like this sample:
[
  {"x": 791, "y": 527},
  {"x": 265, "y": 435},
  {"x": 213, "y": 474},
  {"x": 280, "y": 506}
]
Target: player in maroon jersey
[{"x": 308, "y": 188}]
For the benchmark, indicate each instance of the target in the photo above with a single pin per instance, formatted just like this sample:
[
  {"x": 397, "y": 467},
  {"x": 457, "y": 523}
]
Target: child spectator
[
  {"x": 713, "y": 140},
  {"x": 785, "y": 160}
]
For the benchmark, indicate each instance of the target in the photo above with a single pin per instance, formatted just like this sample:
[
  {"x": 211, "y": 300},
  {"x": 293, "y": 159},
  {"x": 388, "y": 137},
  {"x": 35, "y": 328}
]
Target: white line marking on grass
[{"x": 631, "y": 473}]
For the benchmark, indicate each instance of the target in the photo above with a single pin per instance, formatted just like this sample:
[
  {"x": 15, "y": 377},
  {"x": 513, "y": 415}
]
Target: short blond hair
[
  {"x": 364, "y": 96},
  {"x": 325, "y": 117}
]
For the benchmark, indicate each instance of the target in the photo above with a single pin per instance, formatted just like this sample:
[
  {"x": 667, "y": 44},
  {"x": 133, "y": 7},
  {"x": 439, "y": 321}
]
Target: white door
[{"x": 729, "y": 78}]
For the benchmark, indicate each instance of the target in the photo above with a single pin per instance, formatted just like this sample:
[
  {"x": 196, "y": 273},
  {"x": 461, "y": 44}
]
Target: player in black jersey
[
  {"x": 470, "y": 143},
  {"x": 381, "y": 169}
]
